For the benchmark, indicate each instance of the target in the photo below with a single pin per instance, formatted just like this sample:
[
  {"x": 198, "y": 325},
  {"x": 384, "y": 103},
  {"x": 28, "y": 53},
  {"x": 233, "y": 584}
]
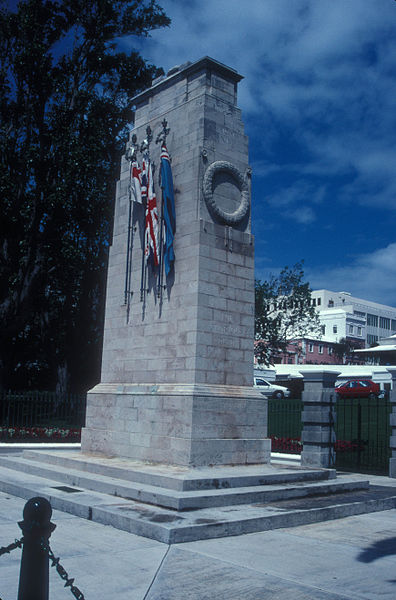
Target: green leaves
[
  {"x": 284, "y": 312},
  {"x": 65, "y": 103}
]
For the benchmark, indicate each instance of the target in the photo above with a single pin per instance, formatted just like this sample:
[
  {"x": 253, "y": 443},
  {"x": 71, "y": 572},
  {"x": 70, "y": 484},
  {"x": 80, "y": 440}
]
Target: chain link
[
  {"x": 62, "y": 572},
  {"x": 7, "y": 549},
  {"x": 55, "y": 563}
]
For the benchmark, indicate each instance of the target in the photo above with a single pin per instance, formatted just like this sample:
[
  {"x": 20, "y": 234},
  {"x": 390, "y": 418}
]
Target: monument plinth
[{"x": 177, "y": 369}]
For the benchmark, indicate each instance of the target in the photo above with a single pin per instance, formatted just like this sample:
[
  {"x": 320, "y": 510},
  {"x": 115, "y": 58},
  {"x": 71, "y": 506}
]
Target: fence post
[
  {"x": 392, "y": 439},
  {"x": 318, "y": 418},
  {"x": 36, "y": 528}
]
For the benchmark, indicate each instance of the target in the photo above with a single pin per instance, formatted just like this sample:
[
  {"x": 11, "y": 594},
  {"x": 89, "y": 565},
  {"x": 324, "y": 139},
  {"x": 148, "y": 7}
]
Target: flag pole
[
  {"x": 130, "y": 155},
  {"x": 161, "y": 139},
  {"x": 161, "y": 260}
]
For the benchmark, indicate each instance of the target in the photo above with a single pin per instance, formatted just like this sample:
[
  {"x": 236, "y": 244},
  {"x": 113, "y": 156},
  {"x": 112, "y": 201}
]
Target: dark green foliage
[
  {"x": 344, "y": 350},
  {"x": 65, "y": 103},
  {"x": 284, "y": 312}
]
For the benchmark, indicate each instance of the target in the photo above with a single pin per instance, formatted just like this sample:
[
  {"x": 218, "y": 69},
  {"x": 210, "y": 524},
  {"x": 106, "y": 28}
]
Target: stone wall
[{"x": 177, "y": 370}]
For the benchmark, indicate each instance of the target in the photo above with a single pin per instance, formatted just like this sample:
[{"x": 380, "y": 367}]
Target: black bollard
[{"x": 36, "y": 528}]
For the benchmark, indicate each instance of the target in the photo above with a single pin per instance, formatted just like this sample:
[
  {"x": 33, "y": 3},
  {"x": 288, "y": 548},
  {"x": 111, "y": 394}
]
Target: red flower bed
[
  {"x": 294, "y": 445},
  {"x": 346, "y": 446},
  {"x": 40, "y": 434},
  {"x": 286, "y": 444}
]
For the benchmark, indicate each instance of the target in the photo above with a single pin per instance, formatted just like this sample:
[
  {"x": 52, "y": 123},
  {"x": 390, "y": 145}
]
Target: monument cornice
[{"x": 182, "y": 71}]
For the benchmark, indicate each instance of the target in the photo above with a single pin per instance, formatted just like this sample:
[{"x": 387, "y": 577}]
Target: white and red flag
[
  {"x": 136, "y": 182},
  {"x": 151, "y": 221}
]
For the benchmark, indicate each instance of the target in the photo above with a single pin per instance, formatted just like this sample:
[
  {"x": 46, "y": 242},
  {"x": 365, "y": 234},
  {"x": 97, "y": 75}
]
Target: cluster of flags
[{"x": 158, "y": 232}]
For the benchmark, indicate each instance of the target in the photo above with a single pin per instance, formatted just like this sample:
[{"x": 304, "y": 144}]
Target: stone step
[
  {"x": 170, "y": 526},
  {"x": 180, "y": 478},
  {"x": 175, "y": 499}
]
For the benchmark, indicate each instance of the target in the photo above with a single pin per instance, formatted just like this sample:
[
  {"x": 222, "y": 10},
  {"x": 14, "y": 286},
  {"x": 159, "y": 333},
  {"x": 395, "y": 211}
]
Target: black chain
[
  {"x": 55, "y": 563},
  {"x": 62, "y": 572},
  {"x": 7, "y": 549}
]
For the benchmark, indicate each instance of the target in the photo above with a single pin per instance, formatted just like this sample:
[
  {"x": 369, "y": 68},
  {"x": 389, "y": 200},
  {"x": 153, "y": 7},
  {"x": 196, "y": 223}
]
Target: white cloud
[
  {"x": 318, "y": 105},
  {"x": 370, "y": 276},
  {"x": 303, "y": 214},
  {"x": 292, "y": 201}
]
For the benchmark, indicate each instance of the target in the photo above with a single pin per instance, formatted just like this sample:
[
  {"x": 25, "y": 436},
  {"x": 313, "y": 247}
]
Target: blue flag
[{"x": 169, "y": 212}]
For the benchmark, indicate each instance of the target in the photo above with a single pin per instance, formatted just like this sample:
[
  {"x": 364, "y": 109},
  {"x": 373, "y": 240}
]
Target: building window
[
  {"x": 350, "y": 329},
  {"x": 359, "y": 314},
  {"x": 372, "y": 320},
  {"x": 320, "y": 349},
  {"x": 372, "y": 339},
  {"x": 331, "y": 303},
  {"x": 334, "y": 328},
  {"x": 310, "y": 347},
  {"x": 323, "y": 328},
  {"x": 384, "y": 323},
  {"x": 330, "y": 350},
  {"x": 393, "y": 325},
  {"x": 359, "y": 331},
  {"x": 319, "y": 301}
]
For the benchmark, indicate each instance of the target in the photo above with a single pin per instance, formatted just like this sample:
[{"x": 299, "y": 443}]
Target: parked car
[
  {"x": 358, "y": 388},
  {"x": 270, "y": 389}
]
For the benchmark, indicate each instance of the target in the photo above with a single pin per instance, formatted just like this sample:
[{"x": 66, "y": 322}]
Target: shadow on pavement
[{"x": 378, "y": 550}]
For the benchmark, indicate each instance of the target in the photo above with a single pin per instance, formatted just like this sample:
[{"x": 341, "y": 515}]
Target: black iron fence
[
  {"x": 362, "y": 428},
  {"x": 284, "y": 424},
  {"x": 362, "y": 432},
  {"x": 33, "y": 415}
]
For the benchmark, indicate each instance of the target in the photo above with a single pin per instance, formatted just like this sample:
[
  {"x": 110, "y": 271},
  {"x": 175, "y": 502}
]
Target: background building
[
  {"x": 348, "y": 324},
  {"x": 344, "y": 316}
]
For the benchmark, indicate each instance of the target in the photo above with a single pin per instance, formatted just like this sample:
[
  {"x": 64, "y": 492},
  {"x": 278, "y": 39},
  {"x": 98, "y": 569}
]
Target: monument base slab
[{"x": 178, "y": 424}]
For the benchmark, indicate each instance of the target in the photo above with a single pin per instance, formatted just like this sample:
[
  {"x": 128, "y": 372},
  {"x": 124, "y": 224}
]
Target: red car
[{"x": 358, "y": 388}]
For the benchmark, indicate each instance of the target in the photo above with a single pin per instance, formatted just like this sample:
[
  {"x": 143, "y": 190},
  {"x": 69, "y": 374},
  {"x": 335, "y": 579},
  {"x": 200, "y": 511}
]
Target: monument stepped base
[{"x": 177, "y": 504}]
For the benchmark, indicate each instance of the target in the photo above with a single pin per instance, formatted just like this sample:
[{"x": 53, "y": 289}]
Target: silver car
[{"x": 270, "y": 389}]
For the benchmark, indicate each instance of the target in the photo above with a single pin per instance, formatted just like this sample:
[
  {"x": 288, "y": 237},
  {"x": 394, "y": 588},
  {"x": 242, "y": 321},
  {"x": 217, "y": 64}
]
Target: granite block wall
[{"x": 198, "y": 329}]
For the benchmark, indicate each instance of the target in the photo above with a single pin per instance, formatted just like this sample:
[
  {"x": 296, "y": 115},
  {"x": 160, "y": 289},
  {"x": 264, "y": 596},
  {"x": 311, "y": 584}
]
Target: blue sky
[{"x": 318, "y": 102}]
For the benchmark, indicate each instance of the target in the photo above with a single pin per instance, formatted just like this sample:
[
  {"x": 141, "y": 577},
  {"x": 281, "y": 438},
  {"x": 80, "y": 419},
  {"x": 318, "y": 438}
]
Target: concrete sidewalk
[{"x": 352, "y": 558}]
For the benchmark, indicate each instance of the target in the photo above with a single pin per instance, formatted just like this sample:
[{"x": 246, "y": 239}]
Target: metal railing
[
  {"x": 363, "y": 431},
  {"x": 41, "y": 416},
  {"x": 284, "y": 424},
  {"x": 33, "y": 409},
  {"x": 362, "y": 428}
]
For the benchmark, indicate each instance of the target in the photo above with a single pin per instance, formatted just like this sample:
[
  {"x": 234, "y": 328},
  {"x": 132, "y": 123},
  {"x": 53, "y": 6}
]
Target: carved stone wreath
[{"x": 208, "y": 187}]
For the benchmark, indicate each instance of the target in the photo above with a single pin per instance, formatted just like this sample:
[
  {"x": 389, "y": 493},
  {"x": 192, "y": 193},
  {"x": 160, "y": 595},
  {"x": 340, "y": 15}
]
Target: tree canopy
[
  {"x": 284, "y": 312},
  {"x": 65, "y": 106},
  {"x": 344, "y": 350}
]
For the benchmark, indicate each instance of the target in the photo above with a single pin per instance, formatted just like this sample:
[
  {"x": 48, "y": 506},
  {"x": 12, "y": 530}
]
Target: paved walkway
[{"x": 352, "y": 558}]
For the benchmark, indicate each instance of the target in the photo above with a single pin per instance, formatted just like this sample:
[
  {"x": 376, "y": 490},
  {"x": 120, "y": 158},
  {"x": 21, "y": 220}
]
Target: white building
[
  {"x": 344, "y": 316},
  {"x": 379, "y": 374}
]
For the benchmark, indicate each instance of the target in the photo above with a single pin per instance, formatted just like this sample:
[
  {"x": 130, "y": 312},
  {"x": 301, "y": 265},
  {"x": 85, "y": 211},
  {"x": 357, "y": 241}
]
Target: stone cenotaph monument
[{"x": 177, "y": 370}]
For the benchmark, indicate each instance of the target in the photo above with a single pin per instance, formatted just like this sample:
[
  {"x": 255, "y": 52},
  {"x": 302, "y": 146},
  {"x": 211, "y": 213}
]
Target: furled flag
[
  {"x": 135, "y": 182},
  {"x": 151, "y": 222},
  {"x": 143, "y": 178},
  {"x": 168, "y": 208}
]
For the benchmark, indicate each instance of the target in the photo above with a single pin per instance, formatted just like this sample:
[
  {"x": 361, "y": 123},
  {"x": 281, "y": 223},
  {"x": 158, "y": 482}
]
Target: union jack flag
[{"x": 151, "y": 221}]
